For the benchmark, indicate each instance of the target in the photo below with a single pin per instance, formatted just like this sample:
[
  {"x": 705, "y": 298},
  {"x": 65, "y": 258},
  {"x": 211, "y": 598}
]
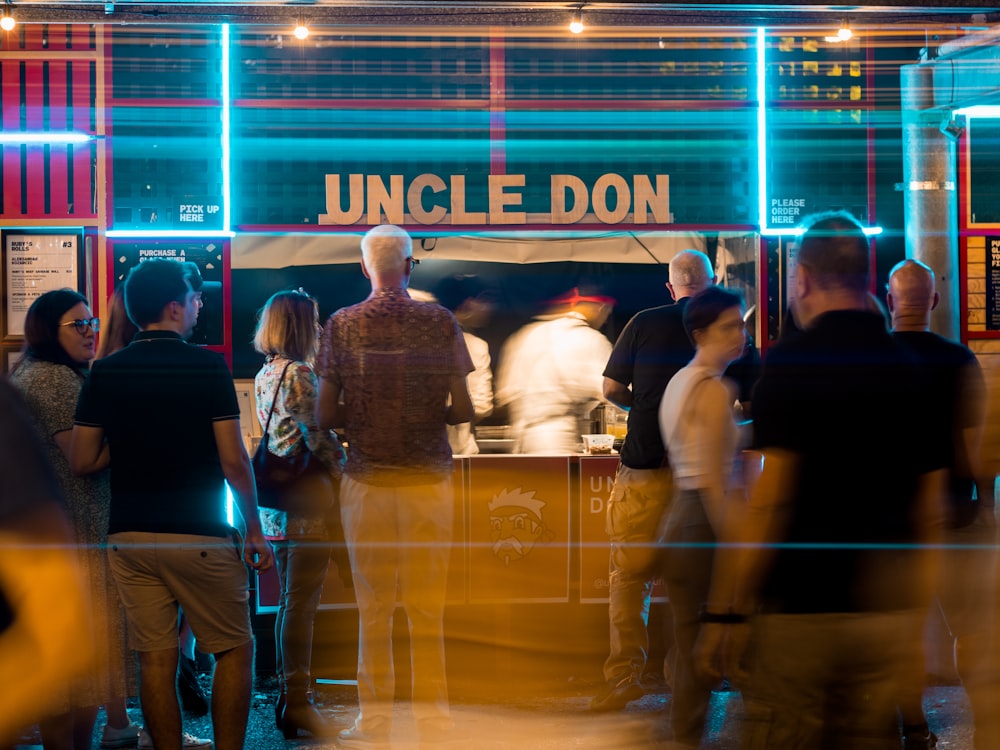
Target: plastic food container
[{"x": 597, "y": 445}]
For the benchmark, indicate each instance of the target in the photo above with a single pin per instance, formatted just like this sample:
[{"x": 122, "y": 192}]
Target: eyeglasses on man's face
[
  {"x": 413, "y": 262},
  {"x": 81, "y": 326}
]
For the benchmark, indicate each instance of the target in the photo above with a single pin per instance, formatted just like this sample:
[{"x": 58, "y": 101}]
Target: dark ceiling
[{"x": 515, "y": 14}]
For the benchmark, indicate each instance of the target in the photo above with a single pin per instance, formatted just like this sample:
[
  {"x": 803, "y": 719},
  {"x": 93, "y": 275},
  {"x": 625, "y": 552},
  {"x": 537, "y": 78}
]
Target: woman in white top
[{"x": 702, "y": 438}]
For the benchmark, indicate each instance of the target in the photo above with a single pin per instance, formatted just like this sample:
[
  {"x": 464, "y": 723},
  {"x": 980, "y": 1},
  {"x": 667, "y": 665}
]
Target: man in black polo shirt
[
  {"x": 965, "y": 590},
  {"x": 832, "y": 556},
  {"x": 651, "y": 349},
  {"x": 169, "y": 413}
]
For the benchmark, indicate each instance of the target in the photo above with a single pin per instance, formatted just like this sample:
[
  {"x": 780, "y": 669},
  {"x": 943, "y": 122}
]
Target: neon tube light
[
  {"x": 45, "y": 138},
  {"x": 168, "y": 233},
  {"x": 980, "y": 110},
  {"x": 226, "y": 155},
  {"x": 761, "y": 132},
  {"x": 762, "y": 193}
]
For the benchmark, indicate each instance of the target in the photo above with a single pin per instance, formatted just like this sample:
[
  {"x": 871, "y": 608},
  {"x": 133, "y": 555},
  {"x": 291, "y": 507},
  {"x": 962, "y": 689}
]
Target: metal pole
[{"x": 930, "y": 200}]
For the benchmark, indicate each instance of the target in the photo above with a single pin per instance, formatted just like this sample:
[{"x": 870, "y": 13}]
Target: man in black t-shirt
[
  {"x": 833, "y": 555},
  {"x": 651, "y": 349},
  {"x": 169, "y": 413},
  {"x": 965, "y": 589}
]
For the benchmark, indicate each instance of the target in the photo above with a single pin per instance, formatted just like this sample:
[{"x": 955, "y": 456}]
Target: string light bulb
[
  {"x": 7, "y": 22},
  {"x": 301, "y": 30},
  {"x": 844, "y": 34},
  {"x": 576, "y": 21}
]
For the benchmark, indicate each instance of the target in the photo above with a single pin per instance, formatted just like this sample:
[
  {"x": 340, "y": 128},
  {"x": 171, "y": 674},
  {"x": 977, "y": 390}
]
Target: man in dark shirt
[
  {"x": 651, "y": 349},
  {"x": 965, "y": 589},
  {"x": 169, "y": 413},
  {"x": 393, "y": 376},
  {"x": 833, "y": 555}
]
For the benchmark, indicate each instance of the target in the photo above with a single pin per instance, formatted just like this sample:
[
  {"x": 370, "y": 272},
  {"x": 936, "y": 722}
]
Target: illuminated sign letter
[
  {"x": 499, "y": 199},
  {"x": 356, "y": 197},
  {"x": 391, "y": 202},
  {"x": 415, "y": 202},
  {"x": 559, "y": 185},
  {"x": 600, "y": 198},
  {"x": 646, "y": 198},
  {"x": 458, "y": 213}
]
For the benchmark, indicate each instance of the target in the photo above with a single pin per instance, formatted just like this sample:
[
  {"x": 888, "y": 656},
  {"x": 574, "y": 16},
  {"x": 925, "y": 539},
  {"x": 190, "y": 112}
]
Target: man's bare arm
[
  {"x": 461, "y": 409},
  {"x": 330, "y": 412},
  {"x": 87, "y": 450},
  {"x": 617, "y": 393},
  {"x": 239, "y": 474}
]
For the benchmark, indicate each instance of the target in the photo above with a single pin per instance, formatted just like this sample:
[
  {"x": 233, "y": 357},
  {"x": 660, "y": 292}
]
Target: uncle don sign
[{"x": 432, "y": 199}]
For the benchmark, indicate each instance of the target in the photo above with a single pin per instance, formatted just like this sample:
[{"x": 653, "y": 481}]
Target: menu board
[
  {"x": 992, "y": 283},
  {"x": 35, "y": 264}
]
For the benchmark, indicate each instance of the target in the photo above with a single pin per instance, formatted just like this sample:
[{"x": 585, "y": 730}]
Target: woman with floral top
[{"x": 288, "y": 334}]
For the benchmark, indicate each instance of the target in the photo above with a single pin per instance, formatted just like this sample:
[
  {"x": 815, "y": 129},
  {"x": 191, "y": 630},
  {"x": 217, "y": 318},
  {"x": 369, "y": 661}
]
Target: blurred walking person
[{"x": 60, "y": 336}]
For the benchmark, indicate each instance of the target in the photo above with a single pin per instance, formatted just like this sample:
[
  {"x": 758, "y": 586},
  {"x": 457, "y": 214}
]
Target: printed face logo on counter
[{"x": 516, "y": 524}]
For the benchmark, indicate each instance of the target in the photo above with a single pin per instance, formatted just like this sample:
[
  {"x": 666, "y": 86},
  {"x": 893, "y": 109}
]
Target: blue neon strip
[
  {"x": 761, "y": 131},
  {"x": 980, "y": 110},
  {"x": 45, "y": 138},
  {"x": 761, "y": 88},
  {"x": 167, "y": 233},
  {"x": 796, "y": 231},
  {"x": 226, "y": 145}
]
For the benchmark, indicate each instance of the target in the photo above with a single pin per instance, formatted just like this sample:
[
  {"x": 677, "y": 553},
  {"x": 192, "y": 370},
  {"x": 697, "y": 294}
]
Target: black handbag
[{"x": 299, "y": 483}]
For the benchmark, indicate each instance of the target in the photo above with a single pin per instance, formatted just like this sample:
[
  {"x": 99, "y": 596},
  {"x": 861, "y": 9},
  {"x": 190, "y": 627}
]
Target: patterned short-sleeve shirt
[
  {"x": 393, "y": 358},
  {"x": 293, "y": 426}
]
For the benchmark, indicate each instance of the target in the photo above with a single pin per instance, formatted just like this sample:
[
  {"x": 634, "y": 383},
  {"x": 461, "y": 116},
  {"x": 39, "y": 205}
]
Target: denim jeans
[
  {"x": 689, "y": 542},
  {"x": 636, "y": 509},
  {"x": 301, "y": 565}
]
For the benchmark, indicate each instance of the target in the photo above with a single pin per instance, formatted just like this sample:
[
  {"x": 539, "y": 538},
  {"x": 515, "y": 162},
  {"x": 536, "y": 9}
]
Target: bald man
[{"x": 966, "y": 583}]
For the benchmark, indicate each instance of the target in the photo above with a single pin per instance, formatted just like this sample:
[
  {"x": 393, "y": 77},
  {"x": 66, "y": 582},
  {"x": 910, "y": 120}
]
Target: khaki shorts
[{"x": 204, "y": 575}]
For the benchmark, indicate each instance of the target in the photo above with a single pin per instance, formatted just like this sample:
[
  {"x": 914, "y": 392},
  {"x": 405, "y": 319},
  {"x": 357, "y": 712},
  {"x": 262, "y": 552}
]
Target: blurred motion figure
[
  {"x": 60, "y": 335},
  {"x": 699, "y": 428},
  {"x": 828, "y": 573},
  {"x": 46, "y": 637},
  {"x": 550, "y": 373},
  {"x": 965, "y": 590},
  {"x": 469, "y": 300}
]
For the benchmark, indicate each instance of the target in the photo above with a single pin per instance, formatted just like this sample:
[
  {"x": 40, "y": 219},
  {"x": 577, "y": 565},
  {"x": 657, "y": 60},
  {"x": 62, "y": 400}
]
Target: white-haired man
[{"x": 388, "y": 367}]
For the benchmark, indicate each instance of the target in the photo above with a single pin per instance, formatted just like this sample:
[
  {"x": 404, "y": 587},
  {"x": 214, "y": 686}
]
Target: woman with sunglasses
[{"x": 59, "y": 343}]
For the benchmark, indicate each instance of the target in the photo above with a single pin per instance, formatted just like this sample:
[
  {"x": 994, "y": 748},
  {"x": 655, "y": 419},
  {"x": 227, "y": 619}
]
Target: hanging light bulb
[
  {"x": 301, "y": 30},
  {"x": 7, "y": 22},
  {"x": 576, "y": 22},
  {"x": 844, "y": 34}
]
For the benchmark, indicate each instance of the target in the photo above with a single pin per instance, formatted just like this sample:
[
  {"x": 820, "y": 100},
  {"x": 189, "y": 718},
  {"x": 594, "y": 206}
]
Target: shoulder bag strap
[{"x": 274, "y": 400}]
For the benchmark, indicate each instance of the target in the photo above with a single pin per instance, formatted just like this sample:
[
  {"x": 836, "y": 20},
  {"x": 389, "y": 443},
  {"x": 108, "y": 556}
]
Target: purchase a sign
[{"x": 433, "y": 199}]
